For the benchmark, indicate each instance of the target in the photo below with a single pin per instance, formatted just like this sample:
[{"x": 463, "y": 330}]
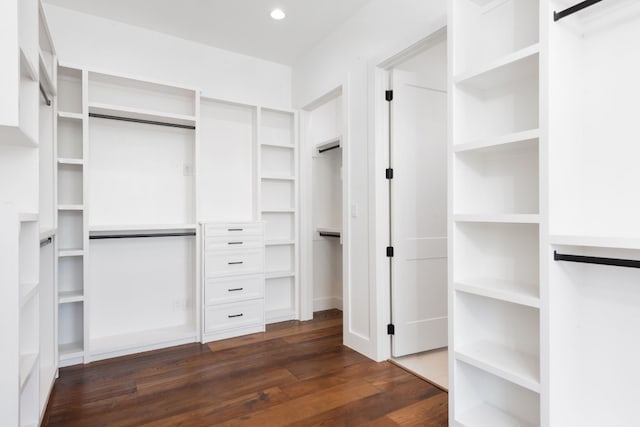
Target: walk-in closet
[{"x": 346, "y": 212}]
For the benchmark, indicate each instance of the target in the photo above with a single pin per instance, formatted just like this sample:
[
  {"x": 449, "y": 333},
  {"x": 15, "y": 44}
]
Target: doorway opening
[{"x": 417, "y": 177}]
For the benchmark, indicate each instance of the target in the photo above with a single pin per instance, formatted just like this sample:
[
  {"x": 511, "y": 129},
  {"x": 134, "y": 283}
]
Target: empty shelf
[
  {"x": 67, "y": 297},
  {"x": 503, "y": 142},
  {"x": 70, "y": 253},
  {"x": 487, "y": 415},
  {"x": 141, "y": 114},
  {"x": 519, "y": 368},
  {"x": 70, "y": 207},
  {"x": 500, "y": 218},
  {"x": 279, "y": 274},
  {"x": 70, "y": 351},
  {"x": 69, "y": 115},
  {"x": 70, "y": 162},
  {"x": 503, "y": 290},
  {"x": 279, "y": 242}
]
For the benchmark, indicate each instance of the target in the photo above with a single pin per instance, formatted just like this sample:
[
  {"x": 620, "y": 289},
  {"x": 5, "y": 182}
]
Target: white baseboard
[{"x": 327, "y": 303}]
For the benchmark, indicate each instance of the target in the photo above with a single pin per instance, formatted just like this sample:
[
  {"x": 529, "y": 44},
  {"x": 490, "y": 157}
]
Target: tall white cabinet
[{"x": 496, "y": 215}]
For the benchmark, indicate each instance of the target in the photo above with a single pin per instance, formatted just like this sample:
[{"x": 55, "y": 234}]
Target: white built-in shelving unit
[
  {"x": 278, "y": 189},
  {"x": 71, "y": 218},
  {"x": 496, "y": 214}
]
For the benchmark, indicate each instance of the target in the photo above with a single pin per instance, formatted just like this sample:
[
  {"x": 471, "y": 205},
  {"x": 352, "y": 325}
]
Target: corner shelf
[{"x": 519, "y": 368}]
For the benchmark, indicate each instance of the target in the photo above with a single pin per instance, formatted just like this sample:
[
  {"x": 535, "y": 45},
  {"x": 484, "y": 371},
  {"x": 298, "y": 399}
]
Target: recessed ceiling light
[{"x": 278, "y": 14}]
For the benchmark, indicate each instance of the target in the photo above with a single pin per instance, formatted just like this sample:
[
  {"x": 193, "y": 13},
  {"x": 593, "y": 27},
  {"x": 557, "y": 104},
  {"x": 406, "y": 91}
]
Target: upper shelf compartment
[
  {"x": 488, "y": 30},
  {"x": 140, "y": 96},
  {"x": 584, "y": 17}
]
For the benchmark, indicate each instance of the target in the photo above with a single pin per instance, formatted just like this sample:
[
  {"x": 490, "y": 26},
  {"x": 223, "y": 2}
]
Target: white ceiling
[{"x": 242, "y": 26}]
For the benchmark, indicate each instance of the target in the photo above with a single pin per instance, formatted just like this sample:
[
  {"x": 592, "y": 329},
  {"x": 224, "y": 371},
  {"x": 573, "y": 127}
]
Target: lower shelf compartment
[
  {"x": 486, "y": 415},
  {"x": 104, "y": 347},
  {"x": 70, "y": 351}
]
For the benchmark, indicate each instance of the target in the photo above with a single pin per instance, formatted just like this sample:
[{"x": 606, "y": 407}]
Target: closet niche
[{"x": 325, "y": 131}]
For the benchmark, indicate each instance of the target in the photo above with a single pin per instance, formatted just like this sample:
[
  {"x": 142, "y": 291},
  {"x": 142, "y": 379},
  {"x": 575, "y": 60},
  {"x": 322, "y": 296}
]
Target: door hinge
[
  {"x": 390, "y": 251},
  {"x": 391, "y": 329},
  {"x": 389, "y": 173},
  {"x": 388, "y": 95}
]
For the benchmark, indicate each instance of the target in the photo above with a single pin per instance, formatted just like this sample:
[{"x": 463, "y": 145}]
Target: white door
[{"x": 418, "y": 215}]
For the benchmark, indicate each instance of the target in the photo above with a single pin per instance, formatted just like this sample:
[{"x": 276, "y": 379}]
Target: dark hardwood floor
[{"x": 297, "y": 373}]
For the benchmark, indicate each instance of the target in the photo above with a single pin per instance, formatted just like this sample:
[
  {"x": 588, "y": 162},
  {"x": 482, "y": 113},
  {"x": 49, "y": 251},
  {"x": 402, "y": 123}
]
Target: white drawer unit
[
  {"x": 235, "y": 315},
  {"x": 230, "y": 263},
  {"x": 221, "y": 291},
  {"x": 234, "y": 230},
  {"x": 233, "y": 277}
]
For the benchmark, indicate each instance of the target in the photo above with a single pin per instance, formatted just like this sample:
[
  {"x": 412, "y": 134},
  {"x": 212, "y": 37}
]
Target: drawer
[
  {"x": 235, "y": 315},
  {"x": 233, "y": 230},
  {"x": 232, "y": 242},
  {"x": 217, "y": 291},
  {"x": 217, "y": 264}
]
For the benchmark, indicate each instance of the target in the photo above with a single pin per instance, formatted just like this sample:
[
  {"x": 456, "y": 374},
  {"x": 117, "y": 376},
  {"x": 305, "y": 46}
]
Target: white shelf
[
  {"x": 28, "y": 364},
  {"x": 595, "y": 241},
  {"x": 519, "y": 368},
  {"x": 276, "y": 145},
  {"x": 27, "y": 292},
  {"x": 279, "y": 274},
  {"x": 141, "y": 227},
  {"x": 278, "y": 211},
  {"x": 278, "y": 178},
  {"x": 141, "y": 114},
  {"x": 67, "y": 297},
  {"x": 512, "y": 140},
  {"x": 70, "y": 162},
  {"x": 69, "y": 115},
  {"x": 27, "y": 68},
  {"x": 487, "y": 415},
  {"x": 28, "y": 217},
  {"x": 500, "y": 218},
  {"x": 70, "y": 207},
  {"x": 335, "y": 142},
  {"x": 503, "y": 290},
  {"x": 48, "y": 232},
  {"x": 502, "y": 71},
  {"x": 70, "y": 351},
  {"x": 279, "y": 243},
  {"x": 141, "y": 339},
  {"x": 48, "y": 75},
  {"x": 70, "y": 253}
]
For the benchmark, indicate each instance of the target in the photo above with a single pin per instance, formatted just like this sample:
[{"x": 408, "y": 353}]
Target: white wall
[
  {"x": 108, "y": 45},
  {"x": 380, "y": 28}
]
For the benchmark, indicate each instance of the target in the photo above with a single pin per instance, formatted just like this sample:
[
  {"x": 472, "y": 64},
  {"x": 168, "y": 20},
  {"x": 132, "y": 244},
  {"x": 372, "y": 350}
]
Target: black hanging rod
[
  {"x": 573, "y": 9},
  {"x": 328, "y": 234},
  {"x": 44, "y": 95},
  {"x": 597, "y": 260},
  {"x": 147, "y": 122},
  {"x": 140, "y": 236},
  {"x": 46, "y": 241},
  {"x": 329, "y": 149}
]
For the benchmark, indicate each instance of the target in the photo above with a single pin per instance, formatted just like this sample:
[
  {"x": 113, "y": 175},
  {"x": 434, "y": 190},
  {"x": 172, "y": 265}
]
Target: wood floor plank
[{"x": 297, "y": 373}]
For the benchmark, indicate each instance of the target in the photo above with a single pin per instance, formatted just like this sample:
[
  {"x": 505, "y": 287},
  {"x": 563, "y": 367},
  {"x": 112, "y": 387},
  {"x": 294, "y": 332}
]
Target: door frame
[{"x": 379, "y": 82}]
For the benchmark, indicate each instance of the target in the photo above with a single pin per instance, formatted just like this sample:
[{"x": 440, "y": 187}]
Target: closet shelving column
[
  {"x": 141, "y": 140},
  {"x": 70, "y": 151},
  {"x": 495, "y": 213},
  {"x": 279, "y": 210}
]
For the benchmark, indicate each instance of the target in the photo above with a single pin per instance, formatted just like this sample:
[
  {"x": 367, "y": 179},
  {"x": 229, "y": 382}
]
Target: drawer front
[
  {"x": 218, "y": 291},
  {"x": 235, "y": 315},
  {"x": 219, "y": 264},
  {"x": 233, "y": 230},
  {"x": 232, "y": 242}
]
